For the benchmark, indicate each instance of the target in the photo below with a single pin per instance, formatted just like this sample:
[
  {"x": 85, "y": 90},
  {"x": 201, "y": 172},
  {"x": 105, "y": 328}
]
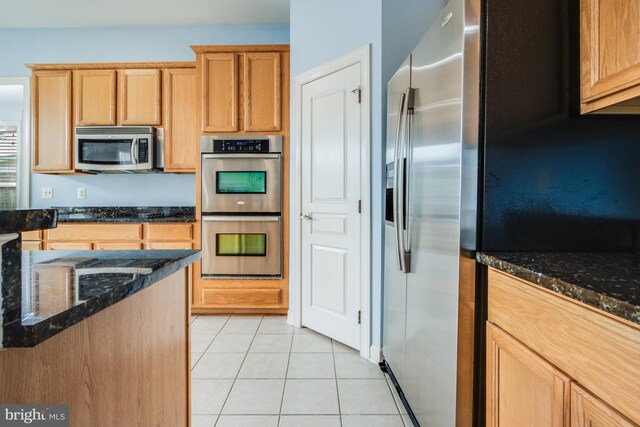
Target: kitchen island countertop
[
  {"x": 54, "y": 290},
  {"x": 608, "y": 281}
]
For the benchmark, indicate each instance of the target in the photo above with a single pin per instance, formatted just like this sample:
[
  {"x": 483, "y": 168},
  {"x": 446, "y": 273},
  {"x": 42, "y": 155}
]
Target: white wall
[
  {"x": 10, "y": 103},
  {"x": 22, "y": 46}
]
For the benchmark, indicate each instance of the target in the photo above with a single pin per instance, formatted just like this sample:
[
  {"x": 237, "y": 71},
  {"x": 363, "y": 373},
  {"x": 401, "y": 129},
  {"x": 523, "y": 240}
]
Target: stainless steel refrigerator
[{"x": 432, "y": 141}]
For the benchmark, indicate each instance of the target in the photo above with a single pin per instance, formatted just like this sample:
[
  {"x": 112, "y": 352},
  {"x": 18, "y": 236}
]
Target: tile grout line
[
  {"x": 286, "y": 377},
  {"x": 335, "y": 372},
  {"x": 207, "y": 348},
  {"x": 238, "y": 373}
]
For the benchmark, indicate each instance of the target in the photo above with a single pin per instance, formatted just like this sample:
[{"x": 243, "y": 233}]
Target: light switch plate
[{"x": 47, "y": 192}]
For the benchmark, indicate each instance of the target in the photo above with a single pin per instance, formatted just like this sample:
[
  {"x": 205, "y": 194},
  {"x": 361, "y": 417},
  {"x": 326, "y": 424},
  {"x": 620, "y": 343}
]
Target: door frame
[
  {"x": 24, "y": 143},
  {"x": 360, "y": 56}
]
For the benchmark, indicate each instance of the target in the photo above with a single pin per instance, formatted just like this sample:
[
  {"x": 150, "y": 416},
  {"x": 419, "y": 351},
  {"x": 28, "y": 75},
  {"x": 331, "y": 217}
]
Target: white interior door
[{"x": 331, "y": 147}]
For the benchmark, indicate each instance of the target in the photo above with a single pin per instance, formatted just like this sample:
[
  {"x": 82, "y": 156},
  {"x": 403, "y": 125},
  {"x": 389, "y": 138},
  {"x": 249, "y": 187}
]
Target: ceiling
[{"x": 132, "y": 13}]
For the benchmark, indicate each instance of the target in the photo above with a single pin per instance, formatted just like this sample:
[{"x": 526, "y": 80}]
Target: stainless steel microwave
[{"x": 118, "y": 149}]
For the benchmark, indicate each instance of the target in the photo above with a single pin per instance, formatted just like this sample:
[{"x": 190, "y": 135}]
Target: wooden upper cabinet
[
  {"x": 262, "y": 92},
  {"x": 95, "y": 97},
  {"x": 589, "y": 411},
  {"x": 610, "y": 55},
  {"x": 522, "y": 388},
  {"x": 139, "y": 97},
  {"x": 220, "y": 92},
  {"x": 53, "y": 134},
  {"x": 180, "y": 120}
]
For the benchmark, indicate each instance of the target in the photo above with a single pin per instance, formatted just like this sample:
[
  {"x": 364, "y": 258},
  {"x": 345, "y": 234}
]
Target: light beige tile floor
[{"x": 259, "y": 371}]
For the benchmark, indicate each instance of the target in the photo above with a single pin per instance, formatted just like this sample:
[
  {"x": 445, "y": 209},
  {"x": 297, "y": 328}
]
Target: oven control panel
[{"x": 241, "y": 146}]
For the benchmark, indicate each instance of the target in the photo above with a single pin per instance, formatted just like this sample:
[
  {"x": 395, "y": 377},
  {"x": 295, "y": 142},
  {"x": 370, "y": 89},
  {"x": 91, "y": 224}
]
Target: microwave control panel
[
  {"x": 241, "y": 146},
  {"x": 143, "y": 150}
]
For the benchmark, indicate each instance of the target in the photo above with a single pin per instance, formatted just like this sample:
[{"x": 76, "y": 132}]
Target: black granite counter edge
[
  {"x": 16, "y": 221},
  {"x": 126, "y": 214},
  {"x": 136, "y": 220},
  {"x": 576, "y": 292},
  {"x": 16, "y": 335}
]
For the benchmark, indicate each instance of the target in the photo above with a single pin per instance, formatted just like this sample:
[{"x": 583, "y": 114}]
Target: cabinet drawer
[
  {"x": 31, "y": 235},
  {"x": 30, "y": 245},
  {"x": 96, "y": 232},
  {"x": 241, "y": 297},
  {"x": 597, "y": 350},
  {"x": 162, "y": 232},
  {"x": 169, "y": 245},
  {"x": 70, "y": 246},
  {"x": 118, "y": 246}
]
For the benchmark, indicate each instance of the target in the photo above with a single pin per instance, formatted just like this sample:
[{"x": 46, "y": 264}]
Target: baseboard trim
[{"x": 375, "y": 354}]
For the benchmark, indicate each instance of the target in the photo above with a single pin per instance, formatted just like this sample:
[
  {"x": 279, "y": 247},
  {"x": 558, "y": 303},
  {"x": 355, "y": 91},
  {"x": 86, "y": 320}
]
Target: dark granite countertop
[
  {"x": 57, "y": 289},
  {"x": 608, "y": 281},
  {"x": 16, "y": 221},
  {"x": 127, "y": 214}
]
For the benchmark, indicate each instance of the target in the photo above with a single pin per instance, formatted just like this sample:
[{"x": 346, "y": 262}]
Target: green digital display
[
  {"x": 241, "y": 244},
  {"x": 241, "y": 182}
]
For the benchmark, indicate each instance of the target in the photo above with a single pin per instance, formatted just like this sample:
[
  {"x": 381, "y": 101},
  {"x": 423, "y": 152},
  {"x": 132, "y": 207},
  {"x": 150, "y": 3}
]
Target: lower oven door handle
[
  {"x": 241, "y": 156},
  {"x": 241, "y": 218}
]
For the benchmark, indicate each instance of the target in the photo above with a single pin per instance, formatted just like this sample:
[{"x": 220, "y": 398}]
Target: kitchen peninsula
[{"x": 106, "y": 332}]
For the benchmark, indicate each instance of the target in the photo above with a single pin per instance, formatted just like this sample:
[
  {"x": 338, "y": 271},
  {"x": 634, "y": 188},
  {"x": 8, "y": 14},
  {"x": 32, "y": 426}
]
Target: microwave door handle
[{"x": 134, "y": 151}]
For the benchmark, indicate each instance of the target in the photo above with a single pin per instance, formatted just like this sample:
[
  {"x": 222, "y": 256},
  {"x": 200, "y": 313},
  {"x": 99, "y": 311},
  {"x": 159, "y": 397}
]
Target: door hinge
[
  {"x": 359, "y": 317},
  {"x": 358, "y": 91},
  {"x": 359, "y": 206}
]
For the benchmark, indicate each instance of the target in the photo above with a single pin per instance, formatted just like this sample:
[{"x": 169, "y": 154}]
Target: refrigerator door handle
[
  {"x": 398, "y": 188},
  {"x": 407, "y": 210}
]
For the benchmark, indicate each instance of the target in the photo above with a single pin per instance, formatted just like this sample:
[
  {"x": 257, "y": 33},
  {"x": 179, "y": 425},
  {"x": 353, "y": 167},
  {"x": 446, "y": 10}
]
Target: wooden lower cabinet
[
  {"x": 552, "y": 361},
  {"x": 522, "y": 388},
  {"x": 100, "y": 236},
  {"x": 589, "y": 411}
]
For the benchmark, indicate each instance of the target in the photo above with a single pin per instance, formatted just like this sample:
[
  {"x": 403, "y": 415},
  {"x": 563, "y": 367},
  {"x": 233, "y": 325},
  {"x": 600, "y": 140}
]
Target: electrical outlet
[
  {"x": 82, "y": 193},
  {"x": 47, "y": 192}
]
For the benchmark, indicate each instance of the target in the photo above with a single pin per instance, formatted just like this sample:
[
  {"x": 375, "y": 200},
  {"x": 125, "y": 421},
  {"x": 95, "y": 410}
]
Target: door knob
[{"x": 306, "y": 217}]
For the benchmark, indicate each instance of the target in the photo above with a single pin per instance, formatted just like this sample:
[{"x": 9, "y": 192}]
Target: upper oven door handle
[
  {"x": 240, "y": 218},
  {"x": 241, "y": 156}
]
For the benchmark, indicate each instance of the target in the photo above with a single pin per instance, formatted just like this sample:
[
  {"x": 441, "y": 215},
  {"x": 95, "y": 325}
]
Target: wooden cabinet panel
[
  {"x": 162, "y": 232},
  {"x": 52, "y": 131},
  {"x": 589, "y": 411},
  {"x": 599, "y": 351},
  {"x": 95, "y": 232},
  {"x": 220, "y": 92},
  {"x": 139, "y": 97},
  {"x": 180, "y": 120},
  {"x": 95, "y": 97},
  {"x": 610, "y": 55},
  {"x": 31, "y": 245},
  {"x": 169, "y": 245},
  {"x": 522, "y": 388},
  {"x": 241, "y": 297},
  {"x": 54, "y": 289},
  {"x": 31, "y": 235},
  {"x": 262, "y": 93},
  {"x": 117, "y": 246},
  {"x": 69, "y": 246}
]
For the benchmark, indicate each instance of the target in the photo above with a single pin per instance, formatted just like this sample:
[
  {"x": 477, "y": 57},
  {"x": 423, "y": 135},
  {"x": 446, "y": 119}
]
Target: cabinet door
[
  {"x": 589, "y": 411},
  {"x": 220, "y": 92},
  {"x": 52, "y": 132},
  {"x": 180, "y": 120},
  {"x": 95, "y": 97},
  {"x": 610, "y": 52},
  {"x": 262, "y": 92},
  {"x": 522, "y": 388},
  {"x": 139, "y": 97}
]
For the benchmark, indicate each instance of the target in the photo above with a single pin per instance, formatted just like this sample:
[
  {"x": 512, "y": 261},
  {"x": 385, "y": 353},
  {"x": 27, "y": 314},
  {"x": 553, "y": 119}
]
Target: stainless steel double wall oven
[{"x": 241, "y": 206}]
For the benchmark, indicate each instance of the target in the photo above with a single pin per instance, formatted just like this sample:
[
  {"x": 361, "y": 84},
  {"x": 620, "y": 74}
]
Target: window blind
[{"x": 8, "y": 166}]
